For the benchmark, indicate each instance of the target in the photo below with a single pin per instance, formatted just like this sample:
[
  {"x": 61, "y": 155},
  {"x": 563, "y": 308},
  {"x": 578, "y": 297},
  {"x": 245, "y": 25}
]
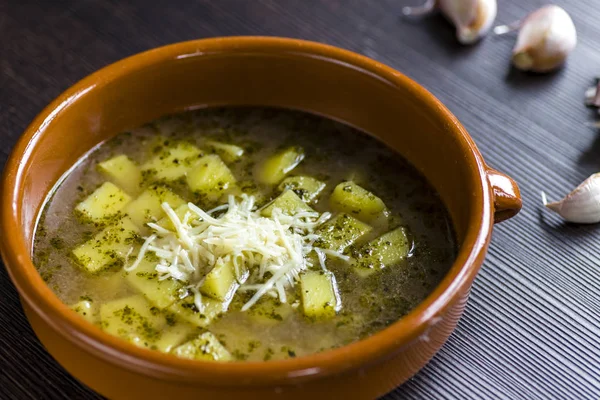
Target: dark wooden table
[{"x": 531, "y": 329}]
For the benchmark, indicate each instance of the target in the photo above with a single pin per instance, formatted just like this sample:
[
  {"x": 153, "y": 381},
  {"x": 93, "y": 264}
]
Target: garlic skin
[
  {"x": 546, "y": 37},
  {"x": 472, "y": 18},
  {"x": 582, "y": 205}
]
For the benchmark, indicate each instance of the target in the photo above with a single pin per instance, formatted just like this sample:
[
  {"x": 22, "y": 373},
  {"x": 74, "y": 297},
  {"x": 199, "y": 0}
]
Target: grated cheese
[{"x": 256, "y": 246}]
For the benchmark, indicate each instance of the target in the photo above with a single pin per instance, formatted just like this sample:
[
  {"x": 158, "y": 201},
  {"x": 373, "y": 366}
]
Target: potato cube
[
  {"x": 148, "y": 206},
  {"x": 288, "y": 202},
  {"x": 187, "y": 310},
  {"x": 111, "y": 284},
  {"x": 122, "y": 172},
  {"x": 181, "y": 212},
  {"x": 385, "y": 251},
  {"x": 220, "y": 282},
  {"x": 210, "y": 177},
  {"x": 228, "y": 152},
  {"x": 133, "y": 318},
  {"x": 204, "y": 347},
  {"x": 171, "y": 163},
  {"x": 276, "y": 167},
  {"x": 144, "y": 279},
  {"x": 306, "y": 187},
  {"x": 318, "y": 294},
  {"x": 350, "y": 198},
  {"x": 108, "y": 248},
  {"x": 105, "y": 202},
  {"x": 247, "y": 187},
  {"x": 86, "y": 309},
  {"x": 340, "y": 232},
  {"x": 173, "y": 336}
]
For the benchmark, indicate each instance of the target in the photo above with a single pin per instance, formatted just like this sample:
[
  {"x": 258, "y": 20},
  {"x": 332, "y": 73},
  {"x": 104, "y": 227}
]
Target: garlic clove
[
  {"x": 592, "y": 96},
  {"x": 546, "y": 37},
  {"x": 582, "y": 205},
  {"x": 472, "y": 18},
  {"x": 462, "y": 14}
]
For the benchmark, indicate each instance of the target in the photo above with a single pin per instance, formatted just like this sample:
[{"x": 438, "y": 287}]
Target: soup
[{"x": 243, "y": 234}]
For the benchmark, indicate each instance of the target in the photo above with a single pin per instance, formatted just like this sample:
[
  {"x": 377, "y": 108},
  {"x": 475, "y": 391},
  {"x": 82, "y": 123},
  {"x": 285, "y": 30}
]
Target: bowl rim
[{"x": 383, "y": 344}]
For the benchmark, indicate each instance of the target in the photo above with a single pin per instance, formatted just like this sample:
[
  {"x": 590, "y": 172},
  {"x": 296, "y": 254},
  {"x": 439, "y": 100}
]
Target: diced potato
[
  {"x": 204, "y": 347},
  {"x": 133, "y": 318},
  {"x": 173, "y": 336},
  {"x": 276, "y": 167},
  {"x": 186, "y": 310},
  {"x": 181, "y": 212},
  {"x": 269, "y": 311},
  {"x": 105, "y": 202},
  {"x": 340, "y": 232},
  {"x": 306, "y": 187},
  {"x": 172, "y": 163},
  {"x": 122, "y": 172},
  {"x": 385, "y": 251},
  {"x": 87, "y": 310},
  {"x": 318, "y": 294},
  {"x": 247, "y": 187},
  {"x": 210, "y": 177},
  {"x": 145, "y": 280},
  {"x": 220, "y": 282},
  {"x": 110, "y": 284},
  {"x": 350, "y": 198},
  {"x": 147, "y": 207},
  {"x": 108, "y": 248},
  {"x": 228, "y": 152},
  {"x": 288, "y": 202}
]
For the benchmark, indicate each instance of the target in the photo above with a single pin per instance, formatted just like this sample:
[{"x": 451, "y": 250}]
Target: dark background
[{"x": 531, "y": 329}]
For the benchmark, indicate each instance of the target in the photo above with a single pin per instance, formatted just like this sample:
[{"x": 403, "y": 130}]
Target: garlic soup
[{"x": 243, "y": 234}]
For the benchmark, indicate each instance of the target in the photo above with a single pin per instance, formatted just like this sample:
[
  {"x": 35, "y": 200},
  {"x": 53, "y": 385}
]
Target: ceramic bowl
[{"x": 267, "y": 72}]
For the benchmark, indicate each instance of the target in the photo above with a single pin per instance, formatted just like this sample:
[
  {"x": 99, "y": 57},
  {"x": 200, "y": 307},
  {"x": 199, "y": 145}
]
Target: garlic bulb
[
  {"x": 582, "y": 205},
  {"x": 472, "y": 18},
  {"x": 546, "y": 37}
]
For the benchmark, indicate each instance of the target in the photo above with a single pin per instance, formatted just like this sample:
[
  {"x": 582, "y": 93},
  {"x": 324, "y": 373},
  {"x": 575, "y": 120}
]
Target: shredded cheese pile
[{"x": 269, "y": 252}]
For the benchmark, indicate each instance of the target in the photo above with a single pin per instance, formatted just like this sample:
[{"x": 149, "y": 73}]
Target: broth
[{"x": 333, "y": 153}]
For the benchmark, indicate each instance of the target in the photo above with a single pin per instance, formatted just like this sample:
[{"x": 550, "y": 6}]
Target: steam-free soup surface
[{"x": 382, "y": 236}]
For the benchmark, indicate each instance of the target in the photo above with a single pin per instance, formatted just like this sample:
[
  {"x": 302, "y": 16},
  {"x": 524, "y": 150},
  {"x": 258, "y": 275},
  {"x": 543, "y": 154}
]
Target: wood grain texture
[{"x": 531, "y": 329}]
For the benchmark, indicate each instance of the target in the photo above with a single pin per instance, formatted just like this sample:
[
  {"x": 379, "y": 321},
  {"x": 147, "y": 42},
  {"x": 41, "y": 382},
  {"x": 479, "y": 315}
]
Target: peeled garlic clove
[
  {"x": 582, "y": 205},
  {"x": 472, "y": 18},
  {"x": 592, "y": 96},
  {"x": 547, "y": 36}
]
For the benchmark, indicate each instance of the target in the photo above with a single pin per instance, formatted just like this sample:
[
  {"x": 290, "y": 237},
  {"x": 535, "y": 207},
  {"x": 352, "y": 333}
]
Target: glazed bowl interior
[{"x": 264, "y": 72}]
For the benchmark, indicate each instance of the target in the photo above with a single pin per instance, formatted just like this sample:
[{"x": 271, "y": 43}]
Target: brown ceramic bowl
[{"x": 267, "y": 72}]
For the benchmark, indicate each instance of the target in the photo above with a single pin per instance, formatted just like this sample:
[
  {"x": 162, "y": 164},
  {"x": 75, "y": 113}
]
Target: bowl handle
[{"x": 507, "y": 197}]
